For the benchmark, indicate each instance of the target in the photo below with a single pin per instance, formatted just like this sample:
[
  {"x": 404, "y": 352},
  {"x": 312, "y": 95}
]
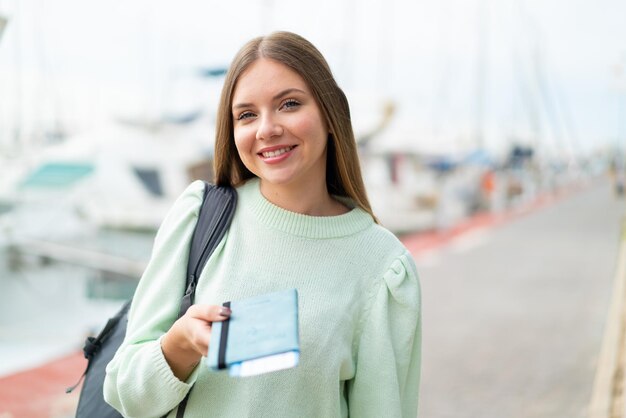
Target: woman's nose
[{"x": 268, "y": 128}]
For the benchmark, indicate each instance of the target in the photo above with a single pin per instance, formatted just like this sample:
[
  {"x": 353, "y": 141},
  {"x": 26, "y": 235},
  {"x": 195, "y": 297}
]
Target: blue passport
[{"x": 260, "y": 336}]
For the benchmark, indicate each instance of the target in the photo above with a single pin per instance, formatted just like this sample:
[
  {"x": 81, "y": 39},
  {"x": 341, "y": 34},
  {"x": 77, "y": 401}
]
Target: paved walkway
[{"x": 514, "y": 315}]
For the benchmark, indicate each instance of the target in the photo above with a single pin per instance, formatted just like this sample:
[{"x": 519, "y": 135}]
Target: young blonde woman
[{"x": 284, "y": 140}]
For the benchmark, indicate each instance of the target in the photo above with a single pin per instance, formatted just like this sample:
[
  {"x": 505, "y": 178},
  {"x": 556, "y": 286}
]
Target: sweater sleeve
[
  {"x": 386, "y": 382},
  {"x": 139, "y": 382}
]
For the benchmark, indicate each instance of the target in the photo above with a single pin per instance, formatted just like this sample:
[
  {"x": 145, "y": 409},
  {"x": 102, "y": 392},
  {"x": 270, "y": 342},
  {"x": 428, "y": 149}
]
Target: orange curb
[
  {"x": 421, "y": 242},
  {"x": 40, "y": 392}
]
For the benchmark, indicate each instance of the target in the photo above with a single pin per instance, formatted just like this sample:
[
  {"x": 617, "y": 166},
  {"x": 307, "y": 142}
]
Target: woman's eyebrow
[
  {"x": 277, "y": 96},
  {"x": 287, "y": 91},
  {"x": 241, "y": 105}
]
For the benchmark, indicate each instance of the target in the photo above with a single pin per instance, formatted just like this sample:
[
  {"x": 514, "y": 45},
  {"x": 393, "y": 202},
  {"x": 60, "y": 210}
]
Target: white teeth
[{"x": 276, "y": 153}]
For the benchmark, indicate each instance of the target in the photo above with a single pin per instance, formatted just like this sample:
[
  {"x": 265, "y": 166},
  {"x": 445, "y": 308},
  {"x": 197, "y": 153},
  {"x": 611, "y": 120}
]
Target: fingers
[
  {"x": 198, "y": 322},
  {"x": 190, "y": 335},
  {"x": 209, "y": 313}
]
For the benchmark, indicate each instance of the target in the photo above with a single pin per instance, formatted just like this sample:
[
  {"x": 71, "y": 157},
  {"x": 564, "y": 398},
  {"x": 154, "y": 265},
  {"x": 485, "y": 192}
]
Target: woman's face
[{"x": 278, "y": 127}]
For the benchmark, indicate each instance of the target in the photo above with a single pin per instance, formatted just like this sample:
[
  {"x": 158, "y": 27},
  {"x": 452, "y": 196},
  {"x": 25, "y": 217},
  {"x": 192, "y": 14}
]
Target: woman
[{"x": 303, "y": 221}]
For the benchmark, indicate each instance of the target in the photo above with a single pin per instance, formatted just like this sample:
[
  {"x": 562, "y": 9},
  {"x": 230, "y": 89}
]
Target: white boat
[
  {"x": 417, "y": 181},
  {"x": 117, "y": 177}
]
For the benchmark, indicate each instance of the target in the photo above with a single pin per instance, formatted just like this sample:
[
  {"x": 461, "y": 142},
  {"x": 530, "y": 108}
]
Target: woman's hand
[{"x": 188, "y": 339}]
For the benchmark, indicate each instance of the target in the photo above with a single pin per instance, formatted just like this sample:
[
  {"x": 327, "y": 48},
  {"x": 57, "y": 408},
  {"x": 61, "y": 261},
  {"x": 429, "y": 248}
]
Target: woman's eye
[
  {"x": 245, "y": 115},
  {"x": 290, "y": 103}
]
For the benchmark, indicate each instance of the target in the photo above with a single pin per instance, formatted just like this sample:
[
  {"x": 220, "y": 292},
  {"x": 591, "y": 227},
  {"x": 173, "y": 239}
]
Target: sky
[{"x": 461, "y": 72}]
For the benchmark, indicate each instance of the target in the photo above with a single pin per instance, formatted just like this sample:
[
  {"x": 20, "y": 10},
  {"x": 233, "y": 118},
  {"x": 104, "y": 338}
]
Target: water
[{"x": 47, "y": 308}]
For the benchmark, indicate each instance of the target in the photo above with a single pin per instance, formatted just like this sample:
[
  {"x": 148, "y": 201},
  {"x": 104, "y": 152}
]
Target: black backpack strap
[
  {"x": 180, "y": 413},
  {"x": 216, "y": 213}
]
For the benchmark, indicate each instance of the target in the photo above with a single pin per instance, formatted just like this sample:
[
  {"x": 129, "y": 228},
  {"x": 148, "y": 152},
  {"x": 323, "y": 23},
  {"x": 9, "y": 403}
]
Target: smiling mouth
[{"x": 276, "y": 153}]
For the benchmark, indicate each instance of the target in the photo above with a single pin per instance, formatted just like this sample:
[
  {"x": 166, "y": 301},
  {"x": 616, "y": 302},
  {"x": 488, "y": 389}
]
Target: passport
[{"x": 260, "y": 336}]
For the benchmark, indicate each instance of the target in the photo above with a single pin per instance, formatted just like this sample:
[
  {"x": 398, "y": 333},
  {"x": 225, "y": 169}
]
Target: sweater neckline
[{"x": 318, "y": 227}]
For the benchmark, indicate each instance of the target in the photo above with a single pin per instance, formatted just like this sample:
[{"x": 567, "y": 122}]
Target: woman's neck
[{"x": 313, "y": 200}]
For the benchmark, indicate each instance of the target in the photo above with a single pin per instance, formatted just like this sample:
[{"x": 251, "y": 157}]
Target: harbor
[{"x": 491, "y": 137}]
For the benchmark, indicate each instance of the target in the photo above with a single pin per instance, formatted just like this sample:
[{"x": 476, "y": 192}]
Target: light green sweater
[{"x": 359, "y": 302}]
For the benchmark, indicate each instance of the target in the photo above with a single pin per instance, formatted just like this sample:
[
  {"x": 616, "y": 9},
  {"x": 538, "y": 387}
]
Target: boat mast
[
  {"x": 481, "y": 72},
  {"x": 3, "y": 24},
  {"x": 17, "y": 128}
]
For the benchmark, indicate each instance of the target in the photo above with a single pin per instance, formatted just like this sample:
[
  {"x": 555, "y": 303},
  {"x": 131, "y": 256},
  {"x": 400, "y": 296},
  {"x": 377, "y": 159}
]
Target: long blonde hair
[{"x": 343, "y": 173}]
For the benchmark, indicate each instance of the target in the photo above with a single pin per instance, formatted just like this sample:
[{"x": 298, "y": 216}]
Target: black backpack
[{"x": 216, "y": 213}]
